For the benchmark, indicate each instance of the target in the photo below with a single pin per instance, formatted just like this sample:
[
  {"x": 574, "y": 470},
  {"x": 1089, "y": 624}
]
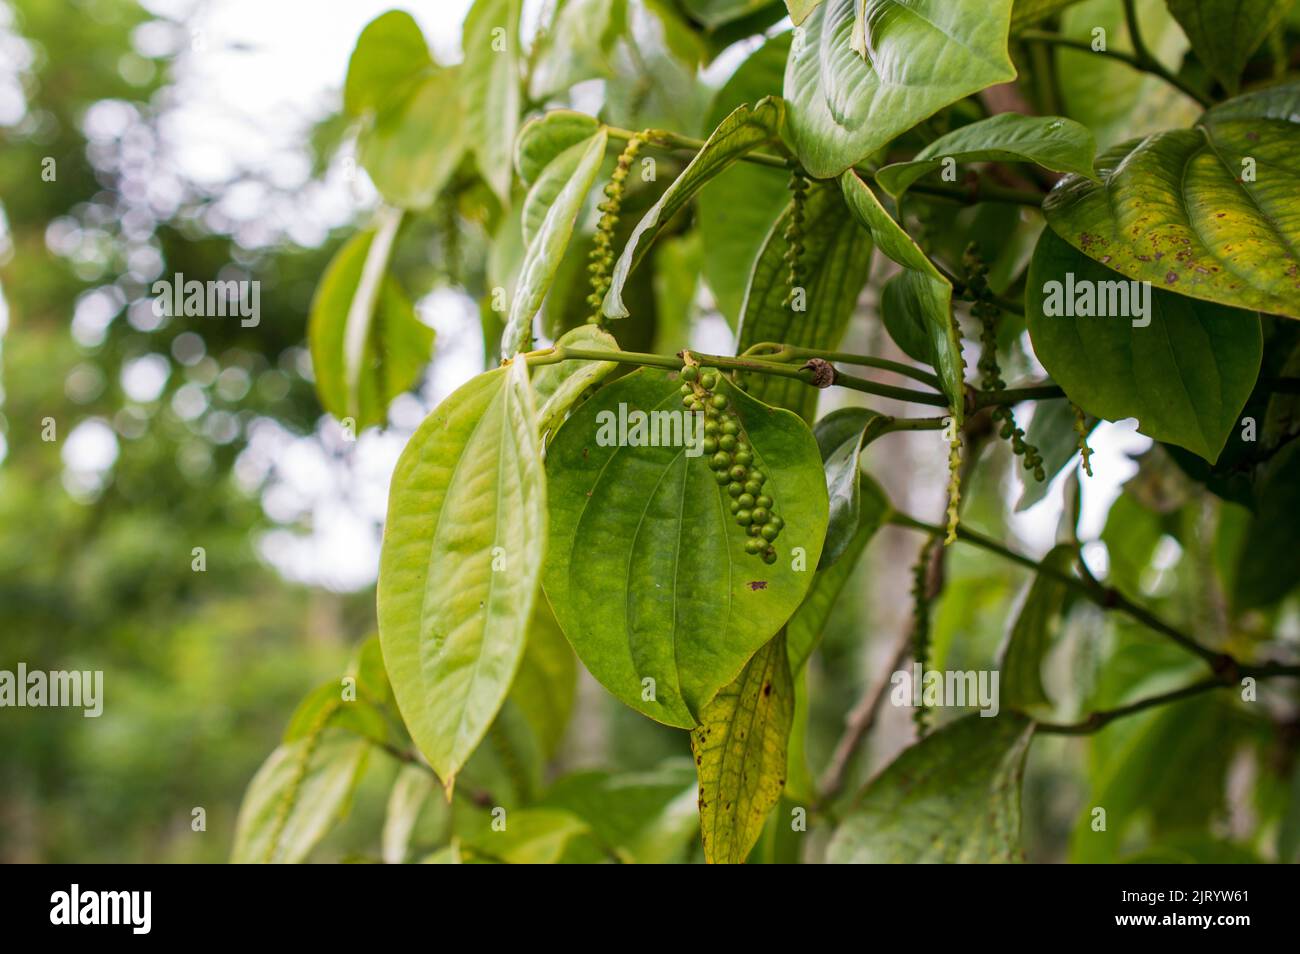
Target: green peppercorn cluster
[
  {"x": 921, "y": 618},
  {"x": 601, "y": 261},
  {"x": 731, "y": 459},
  {"x": 991, "y": 373},
  {"x": 794, "y": 233}
]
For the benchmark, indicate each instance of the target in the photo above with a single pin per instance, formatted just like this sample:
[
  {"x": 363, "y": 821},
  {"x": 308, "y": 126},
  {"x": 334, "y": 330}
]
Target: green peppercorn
[
  {"x": 776, "y": 521},
  {"x": 743, "y": 458},
  {"x": 770, "y": 532},
  {"x": 754, "y": 546},
  {"x": 722, "y": 478},
  {"x": 727, "y": 443},
  {"x": 737, "y": 472},
  {"x": 764, "y": 501},
  {"x": 687, "y": 389},
  {"x": 730, "y": 427},
  {"x": 720, "y": 402},
  {"x": 760, "y": 515},
  {"x": 720, "y": 461},
  {"x": 734, "y": 488},
  {"x": 753, "y": 529},
  {"x": 690, "y": 373},
  {"x": 735, "y": 507},
  {"x": 710, "y": 445},
  {"x": 758, "y": 477},
  {"x": 709, "y": 380},
  {"x": 711, "y": 429},
  {"x": 688, "y": 400},
  {"x": 744, "y": 518},
  {"x": 769, "y": 556},
  {"x": 746, "y": 501},
  {"x": 753, "y": 487}
]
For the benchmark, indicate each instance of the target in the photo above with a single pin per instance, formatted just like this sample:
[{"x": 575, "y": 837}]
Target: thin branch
[
  {"x": 1104, "y": 717},
  {"x": 775, "y": 351}
]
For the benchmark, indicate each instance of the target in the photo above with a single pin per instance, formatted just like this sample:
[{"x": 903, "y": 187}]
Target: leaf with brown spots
[
  {"x": 740, "y": 754},
  {"x": 1211, "y": 212}
]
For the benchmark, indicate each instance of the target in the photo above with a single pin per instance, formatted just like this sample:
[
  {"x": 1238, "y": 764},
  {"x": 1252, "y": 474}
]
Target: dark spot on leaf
[
  {"x": 767, "y": 689},
  {"x": 1171, "y": 277},
  {"x": 757, "y": 584}
]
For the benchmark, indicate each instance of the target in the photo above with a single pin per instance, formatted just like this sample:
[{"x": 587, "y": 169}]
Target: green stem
[
  {"x": 1098, "y": 720},
  {"x": 775, "y": 351},
  {"x": 1037, "y": 392},
  {"x": 670, "y": 140},
  {"x": 1141, "y": 59},
  {"x": 1105, "y": 597}
]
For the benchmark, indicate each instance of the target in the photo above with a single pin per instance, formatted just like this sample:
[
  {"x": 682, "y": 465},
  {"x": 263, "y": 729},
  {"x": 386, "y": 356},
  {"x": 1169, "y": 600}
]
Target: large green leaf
[
  {"x": 578, "y": 46},
  {"x": 646, "y": 568},
  {"x": 1185, "y": 376},
  {"x": 414, "y": 141},
  {"x": 921, "y": 283},
  {"x": 1210, "y": 212},
  {"x": 1052, "y": 142},
  {"x": 1267, "y": 568},
  {"x": 460, "y": 563},
  {"x": 1031, "y": 634},
  {"x": 491, "y": 80},
  {"x": 552, "y": 207},
  {"x": 741, "y": 132},
  {"x": 954, "y": 797},
  {"x": 546, "y": 682},
  {"x": 837, "y": 259},
  {"x": 809, "y": 622},
  {"x": 367, "y": 346},
  {"x": 647, "y": 817},
  {"x": 740, "y": 754},
  {"x": 297, "y": 794},
  {"x": 920, "y": 55},
  {"x": 390, "y": 56},
  {"x": 1224, "y": 33},
  {"x": 737, "y": 208}
]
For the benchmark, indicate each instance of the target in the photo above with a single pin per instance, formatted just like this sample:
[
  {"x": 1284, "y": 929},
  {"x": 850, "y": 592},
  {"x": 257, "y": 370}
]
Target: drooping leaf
[
  {"x": 409, "y": 794},
  {"x": 716, "y": 13},
  {"x": 918, "y": 57},
  {"x": 954, "y": 797},
  {"x": 922, "y": 283},
  {"x": 741, "y": 132},
  {"x": 837, "y": 259},
  {"x": 559, "y": 386},
  {"x": 740, "y": 754},
  {"x": 460, "y": 564},
  {"x": 326, "y": 704},
  {"x": 1267, "y": 569},
  {"x": 544, "y": 137},
  {"x": 367, "y": 346},
  {"x": 1208, "y": 212},
  {"x": 560, "y": 190},
  {"x": 646, "y": 817},
  {"x": 391, "y": 55},
  {"x": 412, "y": 144},
  {"x": 805, "y": 628},
  {"x": 737, "y": 209},
  {"x": 491, "y": 78},
  {"x": 1031, "y": 634},
  {"x": 674, "y": 607},
  {"x": 1051, "y": 430},
  {"x": 1052, "y": 142},
  {"x": 546, "y": 682},
  {"x": 1185, "y": 376},
  {"x": 1224, "y": 33},
  {"x": 298, "y": 793},
  {"x": 841, "y": 436}
]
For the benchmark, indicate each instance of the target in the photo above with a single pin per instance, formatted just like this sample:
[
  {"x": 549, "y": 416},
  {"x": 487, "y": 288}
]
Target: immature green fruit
[
  {"x": 753, "y": 529},
  {"x": 764, "y": 501},
  {"x": 727, "y": 443},
  {"x": 744, "y": 518},
  {"x": 754, "y": 547},
  {"x": 770, "y": 532},
  {"x": 720, "y": 461},
  {"x": 758, "y": 477},
  {"x": 746, "y": 501},
  {"x": 730, "y": 427},
  {"x": 687, "y": 389},
  {"x": 720, "y": 402},
  {"x": 760, "y": 515},
  {"x": 690, "y": 373},
  {"x": 737, "y": 472},
  {"x": 688, "y": 400},
  {"x": 744, "y": 458},
  {"x": 769, "y": 556},
  {"x": 735, "y": 506},
  {"x": 711, "y": 429},
  {"x": 776, "y": 522},
  {"x": 710, "y": 445},
  {"x": 735, "y": 488},
  {"x": 722, "y": 478},
  {"x": 753, "y": 487},
  {"x": 709, "y": 381}
]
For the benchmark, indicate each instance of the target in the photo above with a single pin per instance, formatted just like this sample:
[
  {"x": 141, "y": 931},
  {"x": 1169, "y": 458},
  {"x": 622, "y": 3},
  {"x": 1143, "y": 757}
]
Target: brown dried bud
[{"x": 823, "y": 372}]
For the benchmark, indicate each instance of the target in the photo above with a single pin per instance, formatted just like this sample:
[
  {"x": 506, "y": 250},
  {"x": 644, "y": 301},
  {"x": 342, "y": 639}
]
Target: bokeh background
[{"x": 206, "y": 139}]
